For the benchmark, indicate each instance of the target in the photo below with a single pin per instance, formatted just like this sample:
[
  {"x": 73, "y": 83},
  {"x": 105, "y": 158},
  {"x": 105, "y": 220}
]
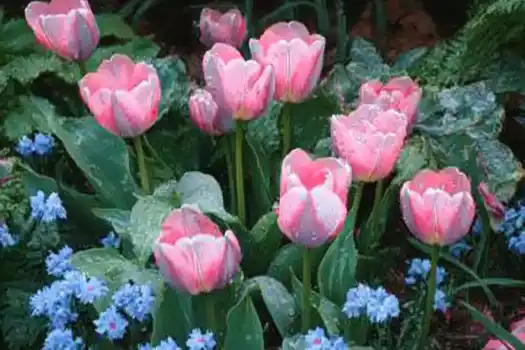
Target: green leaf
[
  {"x": 279, "y": 302},
  {"x": 260, "y": 200},
  {"x": 329, "y": 313},
  {"x": 493, "y": 327},
  {"x": 173, "y": 316},
  {"x": 364, "y": 52},
  {"x": 174, "y": 84},
  {"x": 323, "y": 148},
  {"x": 26, "y": 69},
  {"x": 500, "y": 282},
  {"x": 407, "y": 59},
  {"x": 260, "y": 245},
  {"x": 337, "y": 271},
  {"x": 139, "y": 49},
  {"x": 118, "y": 218},
  {"x": 103, "y": 157},
  {"x": 265, "y": 130},
  {"x": 110, "y": 24},
  {"x": 108, "y": 264},
  {"x": 25, "y": 39},
  {"x": 413, "y": 158},
  {"x": 244, "y": 327}
]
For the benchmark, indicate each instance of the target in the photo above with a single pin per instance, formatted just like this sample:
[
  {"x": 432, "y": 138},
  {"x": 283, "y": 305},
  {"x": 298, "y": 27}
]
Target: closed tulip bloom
[
  {"x": 206, "y": 115},
  {"x": 495, "y": 207},
  {"x": 228, "y": 28},
  {"x": 66, "y": 27},
  {"x": 438, "y": 207},
  {"x": 193, "y": 255},
  {"x": 313, "y": 195},
  {"x": 370, "y": 140},
  {"x": 296, "y": 56},
  {"x": 123, "y": 96},
  {"x": 401, "y": 94},
  {"x": 241, "y": 89}
]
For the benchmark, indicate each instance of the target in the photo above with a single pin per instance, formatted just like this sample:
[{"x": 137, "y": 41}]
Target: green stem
[
  {"x": 228, "y": 151},
  {"x": 211, "y": 316},
  {"x": 82, "y": 67},
  {"x": 307, "y": 285},
  {"x": 286, "y": 122},
  {"x": 378, "y": 197},
  {"x": 239, "y": 175},
  {"x": 431, "y": 291},
  {"x": 141, "y": 163},
  {"x": 357, "y": 199}
]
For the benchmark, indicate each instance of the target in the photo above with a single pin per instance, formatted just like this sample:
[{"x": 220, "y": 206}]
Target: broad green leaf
[
  {"x": 139, "y": 49},
  {"x": 173, "y": 316},
  {"x": 102, "y": 157},
  {"x": 279, "y": 302},
  {"x": 110, "y": 24},
  {"x": 413, "y": 158},
  {"x": 118, "y": 218},
  {"x": 108, "y": 264},
  {"x": 408, "y": 59},
  {"x": 25, "y": 38},
  {"x": 364, "y": 51},
  {"x": 258, "y": 163},
  {"x": 323, "y": 148},
  {"x": 244, "y": 329},
  {"x": 265, "y": 130}
]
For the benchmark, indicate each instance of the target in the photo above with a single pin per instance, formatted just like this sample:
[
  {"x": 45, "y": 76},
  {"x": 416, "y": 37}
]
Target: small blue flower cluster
[
  {"x": 316, "y": 339},
  {"x": 112, "y": 240},
  {"x": 418, "y": 271},
  {"x": 56, "y": 301},
  {"x": 377, "y": 304},
  {"x": 134, "y": 300},
  {"x": 47, "y": 210},
  {"x": 6, "y": 239},
  {"x": 42, "y": 144},
  {"x": 196, "y": 341},
  {"x": 513, "y": 226}
]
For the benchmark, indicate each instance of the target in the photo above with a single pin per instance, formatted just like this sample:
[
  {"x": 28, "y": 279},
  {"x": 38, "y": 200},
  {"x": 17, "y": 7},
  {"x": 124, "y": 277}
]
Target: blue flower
[
  {"x": 440, "y": 301},
  {"x": 136, "y": 300},
  {"x": 382, "y": 306},
  {"x": 419, "y": 269},
  {"x": 168, "y": 344},
  {"x": 459, "y": 248},
  {"x": 111, "y": 241},
  {"x": 517, "y": 243},
  {"x": 6, "y": 239},
  {"x": 111, "y": 323},
  {"x": 145, "y": 347},
  {"x": 356, "y": 300},
  {"x": 199, "y": 341},
  {"x": 54, "y": 302},
  {"x": 62, "y": 339},
  {"x": 316, "y": 340},
  {"x": 43, "y": 144},
  {"x": 25, "y": 146},
  {"x": 477, "y": 227},
  {"x": 48, "y": 210},
  {"x": 338, "y": 343},
  {"x": 86, "y": 290},
  {"x": 57, "y": 264}
]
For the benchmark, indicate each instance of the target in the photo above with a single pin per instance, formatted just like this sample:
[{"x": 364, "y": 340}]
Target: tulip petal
[
  {"x": 292, "y": 163},
  {"x": 418, "y": 215},
  {"x": 204, "y": 111},
  {"x": 179, "y": 267},
  {"x": 258, "y": 97},
  {"x": 186, "y": 222},
  {"x": 306, "y": 76}
]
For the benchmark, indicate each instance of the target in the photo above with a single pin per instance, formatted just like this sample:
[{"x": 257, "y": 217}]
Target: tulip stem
[
  {"x": 357, "y": 199},
  {"x": 82, "y": 67},
  {"x": 141, "y": 163},
  {"x": 239, "y": 175},
  {"x": 373, "y": 219},
  {"x": 307, "y": 285},
  {"x": 210, "y": 312},
  {"x": 431, "y": 291},
  {"x": 228, "y": 151},
  {"x": 286, "y": 122}
]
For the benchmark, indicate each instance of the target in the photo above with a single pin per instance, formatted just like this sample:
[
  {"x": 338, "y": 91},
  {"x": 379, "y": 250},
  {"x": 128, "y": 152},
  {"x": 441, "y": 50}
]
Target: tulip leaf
[
  {"x": 102, "y": 157},
  {"x": 118, "y": 218},
  {"x": 138, "y": 48},
  {"x": 244, "y": 329},
  {"x": 173, "y": 316},
  {"x": 279, "y": 302},
  {"x": 365, "y": 52},
  {"x": 408, "y": 59},
  {"x": 114, "y": 269},
  {"x": 110, "y": 24}
]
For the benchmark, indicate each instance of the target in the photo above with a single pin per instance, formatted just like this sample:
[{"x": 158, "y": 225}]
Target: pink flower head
[
  {"x": 66, "y": 27},
  {"x": 193, "y": 255},
  {"x": 370, "y": 140},
  {"x": 205, "y": 114},
  {"x": 241, "y": 89},
  {"x": 123, "y": 96},
  {"x": 296, "y": 56},
  {"x": 312, "y": 205},
  {"x": 438, "y": 207},
  {"x": 401, "y": 94},
  {"x": 494, "y": 206},
  {"x": 228, "y": 28},
  {"x": 517, "y": 329}
]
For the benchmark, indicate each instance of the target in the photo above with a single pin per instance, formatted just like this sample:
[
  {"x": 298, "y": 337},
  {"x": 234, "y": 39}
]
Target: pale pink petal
[
  {"x": 306, "y": 75},
  {"x": 292, "y": 164},
  {"x": 231, "y": 261},
  {"x": 186, "y": 222},
  {"x": 258, "y": 97},
  {"x": 204, "y": 111},
  {"x": 405, "y": 85},
  {"x": 419, "y": 215},
  {"x": 369, "y": 91},
  {"x": 121, "y": 67},
  {"x": 342, "y": 175},
  {"x": 179, "y": 267},
  {"x": 455, "y": 216}
]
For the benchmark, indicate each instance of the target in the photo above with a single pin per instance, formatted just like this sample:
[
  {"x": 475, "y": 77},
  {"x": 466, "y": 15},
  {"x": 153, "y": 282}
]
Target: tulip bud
[
  {"x": 66, "y": 27},
  {"x": 296, "y": 56},
  {"x": 438, "y": 207},
  {"x": 206, "y": 115},
  {"x": 313, "y": 195},
  {"x": 228, "y": 28},
  {"x": 193, "y": 255},
  {"x": 123, "y": 97}
]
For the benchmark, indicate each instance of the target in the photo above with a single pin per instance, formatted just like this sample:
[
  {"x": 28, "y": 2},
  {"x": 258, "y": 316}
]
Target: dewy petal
[
  {"x": 178, "y": 266},
  {"x": 204, "y": 111},
  {"x": 259, "y": 96},
  {"x": 306, "y": 76},
  {"x": 186, "y": 222},
  {"x": 368, "y": 92},
  {"x": 292, "y": 164},
  {"x": 121, "y": 68},
  {"x": 231, "y": 261},
  {"x": 418, "y": 215},
  {"x": 342, "y": 175},
  {"x": 456, "y": 216}
]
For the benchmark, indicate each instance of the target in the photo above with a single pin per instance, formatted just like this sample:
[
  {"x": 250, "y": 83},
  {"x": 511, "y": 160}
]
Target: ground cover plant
[{"x": 275, "y": 203}]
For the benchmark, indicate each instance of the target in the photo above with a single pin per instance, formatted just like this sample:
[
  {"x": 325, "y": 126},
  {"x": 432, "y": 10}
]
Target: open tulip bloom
[
  {"x": 228, "y": 28},
  {"x": 192, "y": 253},
  {"x": 370, "y": 140},
  {"x": 66, "y": 27}
]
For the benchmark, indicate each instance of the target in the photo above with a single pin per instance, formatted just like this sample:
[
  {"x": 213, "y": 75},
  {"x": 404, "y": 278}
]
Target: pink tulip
[
  {"x": 296, "y": 56},
  {"x": 228, "y": 28},
  {"x": 123, "y": 96},
  {"x": 438, "y": 207},
  {"x": 193, "y": 255},
  {"x": 401, "y": 94},
  {"x": 66, "y": 27},
  {"x": 205, "y": 114},
  {"x": 517, "y": 329},
  {"x": 494, "y": 206},
  {"x": 312, "y": 205},
  {"x": 370, "y": 140},
  {"x": 241, "y": 89}
]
